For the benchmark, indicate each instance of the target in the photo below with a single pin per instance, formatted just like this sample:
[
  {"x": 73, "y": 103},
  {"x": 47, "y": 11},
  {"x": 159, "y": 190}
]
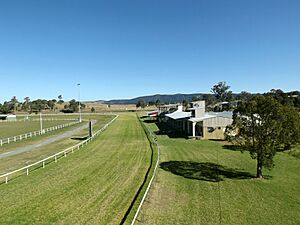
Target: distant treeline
[
  {"x": 38, "y": 105},
  {"x": 210, "y": 98},
  {"x": 222, "y": 99}
]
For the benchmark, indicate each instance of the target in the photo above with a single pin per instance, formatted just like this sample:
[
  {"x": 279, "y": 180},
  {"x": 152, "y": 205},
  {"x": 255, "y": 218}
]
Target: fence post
[
  {"x": 27, "y": 171},
  {"x": 43, "y": 164},
  {"x": 1, "y": 142},
  {"x": 65, "y": 154},
  {"x": 7, "y": 140},
  {"x": 6, "y": 180}
]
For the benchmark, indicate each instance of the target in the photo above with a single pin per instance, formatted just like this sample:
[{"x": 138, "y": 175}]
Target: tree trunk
[{"x": 259, "y": 168}]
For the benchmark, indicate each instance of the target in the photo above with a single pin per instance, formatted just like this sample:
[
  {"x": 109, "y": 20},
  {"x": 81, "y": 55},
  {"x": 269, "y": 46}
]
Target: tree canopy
[
  {"x": 221, "y": 91},
  {"x": 263, "y": 126},
  {"x": 141, "y": 103}
]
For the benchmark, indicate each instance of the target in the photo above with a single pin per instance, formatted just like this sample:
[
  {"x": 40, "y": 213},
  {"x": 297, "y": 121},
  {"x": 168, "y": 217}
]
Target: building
[
  {"x": 8, "y": 117},
  {"x": 196, "y": 123},
  {"x": 153, "y": 113}
]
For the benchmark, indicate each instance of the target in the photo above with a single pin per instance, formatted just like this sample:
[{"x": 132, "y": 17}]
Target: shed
[{"x": 8, "y": 117}]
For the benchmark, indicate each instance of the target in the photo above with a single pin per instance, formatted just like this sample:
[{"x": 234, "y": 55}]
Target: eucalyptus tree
[{"x": 263, "y": 126}]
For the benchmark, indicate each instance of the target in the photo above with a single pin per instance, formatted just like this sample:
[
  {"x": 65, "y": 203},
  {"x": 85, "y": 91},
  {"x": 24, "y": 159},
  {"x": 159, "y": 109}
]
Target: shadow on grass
[
  {"x": 149, "y": 121},
  {"x": 235, "y": 148},
  {"x": 163, "y": 129},
  {"x": 204, "y": 171},
  {"x": 79, "y": 138}
]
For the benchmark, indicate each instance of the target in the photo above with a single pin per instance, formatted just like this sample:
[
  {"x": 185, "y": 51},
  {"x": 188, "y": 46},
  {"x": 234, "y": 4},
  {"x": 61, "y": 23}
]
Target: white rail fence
[
  {"x": 55, "y": 157},
  {"x": 152, "y": 178},
  {"x": 34, "y": 133},
  {"x": 30, "y": 119}
]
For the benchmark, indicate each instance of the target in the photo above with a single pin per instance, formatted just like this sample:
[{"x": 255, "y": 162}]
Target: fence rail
[
  {"x": 58, "y": 155},
  {"x": 25, "y": 120},
  {"x": 34, "y": 133},
  {"x": 153, "y": 175}
]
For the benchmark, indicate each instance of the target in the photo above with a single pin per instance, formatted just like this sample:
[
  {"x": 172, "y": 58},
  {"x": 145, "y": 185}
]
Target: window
[{"x": 210, "y": 129}]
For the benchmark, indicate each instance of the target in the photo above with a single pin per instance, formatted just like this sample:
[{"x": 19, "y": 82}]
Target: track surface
[{"x": 44, "y": 142}]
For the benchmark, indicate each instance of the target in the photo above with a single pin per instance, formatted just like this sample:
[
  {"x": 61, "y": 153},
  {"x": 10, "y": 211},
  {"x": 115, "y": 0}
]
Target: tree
[
  {"x": 38, "y": 105},
  {"x": 157, "y": 103},
  {"x": 73, "y": 106},
  {"x": 25, "y": 105},
  {"x": 280, "y": 96},
  {"x": 221, "y": 91},
  {"x": 244, "y": 96},
  {"x": 185, "y": 104},
  {"x": 5, "y": 108},
  {"x": 264, "y": 126},
  {"x": 141, "y": 103},
  {"x": 93, "y": 110},
  {"x": 195, "y": 98},
  {"x": 51, "y": 104},
  {"x": 210, "y": 100},
  {"x": 27, "y": 100},
  {"x": 14, "y": 102},
  {"x": 60, "y": 97}
]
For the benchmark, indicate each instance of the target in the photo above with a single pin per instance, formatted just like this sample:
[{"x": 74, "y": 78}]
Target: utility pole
[{"x": 79, "y": 103}]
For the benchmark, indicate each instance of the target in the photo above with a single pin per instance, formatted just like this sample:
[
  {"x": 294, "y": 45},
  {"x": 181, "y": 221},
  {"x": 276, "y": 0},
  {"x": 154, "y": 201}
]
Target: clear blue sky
[{"x": 124, "y": 49}]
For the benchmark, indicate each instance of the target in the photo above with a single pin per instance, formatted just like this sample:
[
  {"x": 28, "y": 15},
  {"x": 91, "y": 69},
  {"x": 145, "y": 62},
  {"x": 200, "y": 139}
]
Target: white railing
[
  {"x": 152, "y": 178},
  {"x": 34, "y": 133},
  {"x": 30, "y": 119},
  {"x": 58, "y": 155}
]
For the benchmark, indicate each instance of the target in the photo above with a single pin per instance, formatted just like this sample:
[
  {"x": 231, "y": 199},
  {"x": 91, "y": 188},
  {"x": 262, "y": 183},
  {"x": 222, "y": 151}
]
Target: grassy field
[
  {"x": 95, "y": 185},
  {"x": 26, "y": 158},
  {"x": 207, "y": 182},
  {"x": 11, "y": 129}
]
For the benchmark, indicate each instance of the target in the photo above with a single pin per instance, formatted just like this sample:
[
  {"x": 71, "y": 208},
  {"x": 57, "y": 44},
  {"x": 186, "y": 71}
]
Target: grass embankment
[
  {"x": 93, "y": 186},
  {"x": 17, "y": 161},
  {"x": 205, "y": 182}
]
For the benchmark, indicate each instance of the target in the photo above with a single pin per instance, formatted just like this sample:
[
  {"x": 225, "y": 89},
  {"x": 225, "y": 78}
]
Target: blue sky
[{"x": 124, "y": 49}]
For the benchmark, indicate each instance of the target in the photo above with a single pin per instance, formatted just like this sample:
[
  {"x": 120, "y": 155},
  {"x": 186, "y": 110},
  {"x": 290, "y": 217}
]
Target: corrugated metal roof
[
  {"x": 209, "y": 115},
  {"x": 223, "y": 114},
  {"x": 179, "y": 115}
]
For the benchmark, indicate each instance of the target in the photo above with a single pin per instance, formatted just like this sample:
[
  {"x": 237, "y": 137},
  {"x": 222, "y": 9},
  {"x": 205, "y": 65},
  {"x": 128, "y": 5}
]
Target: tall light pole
[
  {"x": 78, "y": 85},
  {"x": 41, "y": 122}
]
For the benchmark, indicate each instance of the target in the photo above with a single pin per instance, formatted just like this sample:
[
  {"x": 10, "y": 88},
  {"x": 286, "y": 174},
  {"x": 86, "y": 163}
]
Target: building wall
[
  {"x": 11, "y": 118},
  {"x": 214, "y": 133},
  {"x": 217, "y": 122}
]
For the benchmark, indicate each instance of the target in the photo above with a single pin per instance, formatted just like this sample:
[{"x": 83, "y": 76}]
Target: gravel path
[{"x": 45, "y": 142}]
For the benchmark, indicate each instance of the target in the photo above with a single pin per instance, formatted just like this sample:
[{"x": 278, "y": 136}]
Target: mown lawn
[
  {"x": 205, "y": 182},
  {"x": 17, "y": 161},
  {"x": 10, "y": 129},
  {"x": 95, "y": 185}
]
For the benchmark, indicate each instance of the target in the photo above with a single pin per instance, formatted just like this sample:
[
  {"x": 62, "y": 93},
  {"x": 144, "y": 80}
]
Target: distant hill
[
  {"x": 153, "y": 98},
  {"x": 175, "y": 98}
]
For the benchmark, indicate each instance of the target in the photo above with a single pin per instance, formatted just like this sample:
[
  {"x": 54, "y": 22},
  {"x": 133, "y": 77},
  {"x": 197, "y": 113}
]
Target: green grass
[
  {"x": 10, "y": 129},
  {"x": 95, "y": 185},
  {"x": 17, "y": 161},
  {"x": 186, "y": 191},
  {"x": 295, "y": 152}
]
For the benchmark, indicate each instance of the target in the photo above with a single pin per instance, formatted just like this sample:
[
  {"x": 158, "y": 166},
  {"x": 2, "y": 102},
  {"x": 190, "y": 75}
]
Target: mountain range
[{"x": 166, "y": 98}]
